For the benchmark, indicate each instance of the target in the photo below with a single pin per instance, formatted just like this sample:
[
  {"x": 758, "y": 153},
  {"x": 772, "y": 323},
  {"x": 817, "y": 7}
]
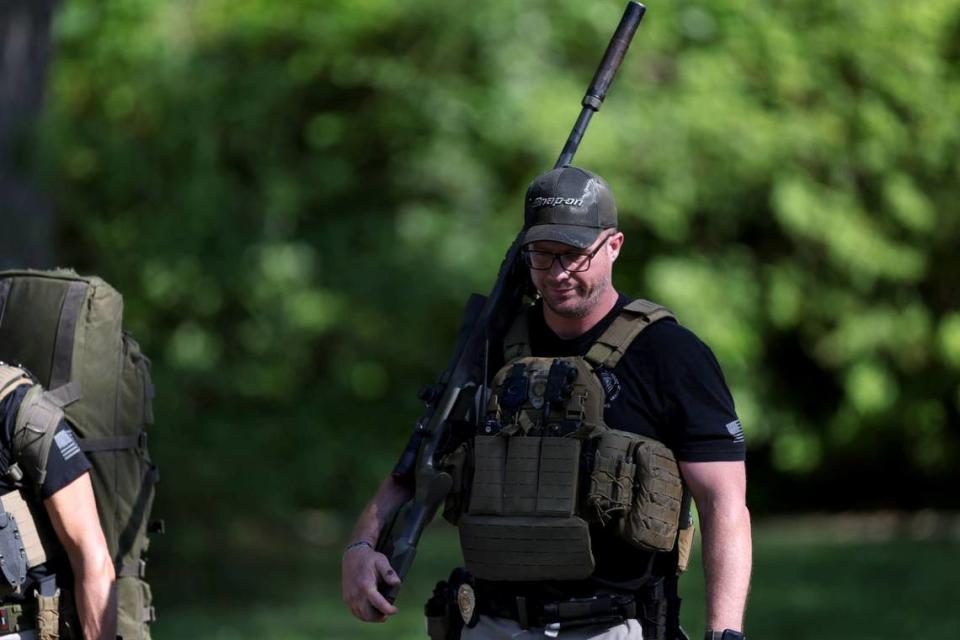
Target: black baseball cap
[{"x": 568, "y": 205}]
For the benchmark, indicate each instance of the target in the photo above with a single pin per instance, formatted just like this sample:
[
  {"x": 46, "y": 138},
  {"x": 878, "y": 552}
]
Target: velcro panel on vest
[
  {"x": 614, "y": 342},
  {"x": 36, "y": 423},
  {"x": 16, "y": 506},
  {"x": 521, "y": 475},
  {"x": 525, "y": 475},
  {"x": 11, "y": 378},
  {"x": 526, "y": 548},
  {"x": 559, "y": 471},
  {"x": 490, "y": 457}
]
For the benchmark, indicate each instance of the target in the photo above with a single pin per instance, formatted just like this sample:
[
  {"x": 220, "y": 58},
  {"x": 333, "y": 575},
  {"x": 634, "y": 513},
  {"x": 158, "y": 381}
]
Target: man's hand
[{"x": 361, "y": 569}]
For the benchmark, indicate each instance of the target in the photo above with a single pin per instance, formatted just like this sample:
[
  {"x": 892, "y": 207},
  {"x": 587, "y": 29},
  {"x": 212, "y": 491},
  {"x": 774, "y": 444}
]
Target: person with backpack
[
  {"x": 572, "y": 496},
  {"x": 49, "y": 591},
  {"x": 67, "y": 330}
]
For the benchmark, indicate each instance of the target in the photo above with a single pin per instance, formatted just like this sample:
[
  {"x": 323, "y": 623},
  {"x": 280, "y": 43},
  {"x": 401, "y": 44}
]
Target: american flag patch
[
  {"x": 735, "y": 430},
  {"x": 67, "y": 443}
]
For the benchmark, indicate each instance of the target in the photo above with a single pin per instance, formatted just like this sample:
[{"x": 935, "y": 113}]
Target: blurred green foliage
[{"x": 296, "y": 199}]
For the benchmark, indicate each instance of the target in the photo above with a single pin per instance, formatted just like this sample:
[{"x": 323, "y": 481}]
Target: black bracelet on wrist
[
  {"x": 358, "y": 543},
  {"x": 726, "y": 634}
]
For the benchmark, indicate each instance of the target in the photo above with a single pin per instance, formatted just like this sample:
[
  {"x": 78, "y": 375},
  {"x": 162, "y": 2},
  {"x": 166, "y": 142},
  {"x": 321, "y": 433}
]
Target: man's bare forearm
[
  {"x": 362, "y": 568},
  {"x": 73, "y": 513},
  {"x": 389, "y": 497},
  {"x": 727, "y": 561},
  {"x": 96, "y": 599},
  {"x": 719, "y": 489}
]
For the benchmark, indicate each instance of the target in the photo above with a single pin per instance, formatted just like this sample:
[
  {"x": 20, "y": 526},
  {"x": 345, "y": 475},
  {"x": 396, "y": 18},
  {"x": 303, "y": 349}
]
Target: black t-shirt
[{"x": 670, "y": 388}]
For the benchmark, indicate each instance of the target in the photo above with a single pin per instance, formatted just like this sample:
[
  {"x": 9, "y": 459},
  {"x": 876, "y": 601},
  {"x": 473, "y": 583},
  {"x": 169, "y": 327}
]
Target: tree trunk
[{"x": 26, "y": 214}]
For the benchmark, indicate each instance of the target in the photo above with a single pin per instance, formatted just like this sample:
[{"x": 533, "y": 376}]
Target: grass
[{"x": 807, "y": 584}]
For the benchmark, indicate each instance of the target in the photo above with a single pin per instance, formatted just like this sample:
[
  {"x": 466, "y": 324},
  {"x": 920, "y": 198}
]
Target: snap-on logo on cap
[{"x": 539, "y": 203}]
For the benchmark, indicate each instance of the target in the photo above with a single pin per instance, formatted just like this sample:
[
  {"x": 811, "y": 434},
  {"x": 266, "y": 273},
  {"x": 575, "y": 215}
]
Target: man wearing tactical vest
[
  {"x": 572, "y": 501},
  {"x": 45, "y": 593}
]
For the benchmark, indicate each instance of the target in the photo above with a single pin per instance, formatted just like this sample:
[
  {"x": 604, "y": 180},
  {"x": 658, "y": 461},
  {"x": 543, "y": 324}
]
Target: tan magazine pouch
[{"x": 653, "y": 518}]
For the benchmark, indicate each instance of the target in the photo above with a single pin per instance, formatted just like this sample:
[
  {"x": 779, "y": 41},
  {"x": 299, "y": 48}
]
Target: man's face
[{"x": 575, "y": 294}]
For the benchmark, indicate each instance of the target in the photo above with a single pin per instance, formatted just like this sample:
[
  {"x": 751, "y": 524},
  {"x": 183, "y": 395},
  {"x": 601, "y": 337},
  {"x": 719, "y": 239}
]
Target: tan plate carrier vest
[{"x": 525, "y": 511}]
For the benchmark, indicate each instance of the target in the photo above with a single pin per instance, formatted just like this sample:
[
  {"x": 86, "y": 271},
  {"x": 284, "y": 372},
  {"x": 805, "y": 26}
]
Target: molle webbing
[
  {"x": 16, "y": 506},
  {"x": 521, "y": 523},
  {"x": 525, "y": 476},
  {"x": 11, "y": 378},
  {"x": 613, "y": 343},
  {"x": 37, "y": 420}
]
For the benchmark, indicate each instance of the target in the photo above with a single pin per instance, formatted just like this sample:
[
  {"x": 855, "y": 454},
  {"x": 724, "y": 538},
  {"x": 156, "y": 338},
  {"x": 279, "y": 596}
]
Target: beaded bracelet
[{"x": 358, "y": 543}]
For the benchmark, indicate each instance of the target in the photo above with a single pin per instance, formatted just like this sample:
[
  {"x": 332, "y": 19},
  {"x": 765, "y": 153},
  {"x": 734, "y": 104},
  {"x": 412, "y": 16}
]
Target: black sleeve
[
  {"x": 697, "y": 399},
  {"x": 65, "y": 462}
]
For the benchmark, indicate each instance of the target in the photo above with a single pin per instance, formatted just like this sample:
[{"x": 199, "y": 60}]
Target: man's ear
[{"x": 614, "y": 244}]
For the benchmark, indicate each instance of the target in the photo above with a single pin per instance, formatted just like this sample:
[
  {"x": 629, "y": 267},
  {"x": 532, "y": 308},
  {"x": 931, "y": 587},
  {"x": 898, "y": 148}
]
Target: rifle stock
[{"x": 485, "y": 323}]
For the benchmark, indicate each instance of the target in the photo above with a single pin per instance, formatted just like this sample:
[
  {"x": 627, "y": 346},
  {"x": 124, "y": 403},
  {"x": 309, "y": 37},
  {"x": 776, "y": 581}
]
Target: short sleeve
[
  {"x": 65, "y": 463},
  {"x": 698, "y": 402}
]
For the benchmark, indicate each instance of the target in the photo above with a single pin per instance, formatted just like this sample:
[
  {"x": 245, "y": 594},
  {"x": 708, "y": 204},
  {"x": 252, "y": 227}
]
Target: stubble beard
[{"x": 584, "y": 304}]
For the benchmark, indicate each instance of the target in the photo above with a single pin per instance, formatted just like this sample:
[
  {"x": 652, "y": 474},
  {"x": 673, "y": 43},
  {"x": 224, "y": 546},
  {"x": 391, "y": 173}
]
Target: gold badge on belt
[{"x": 467, "y": 603}]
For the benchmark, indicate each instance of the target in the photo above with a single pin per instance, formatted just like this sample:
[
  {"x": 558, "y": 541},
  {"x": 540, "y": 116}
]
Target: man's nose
[{"x": 557, "y": 272}]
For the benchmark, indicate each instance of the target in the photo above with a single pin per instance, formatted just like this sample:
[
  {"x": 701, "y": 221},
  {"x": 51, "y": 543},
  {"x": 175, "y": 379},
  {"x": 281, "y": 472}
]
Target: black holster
[
  {"x": 652, "y": 611},
  {"x": 444, "y": 621},
  {"x": 658, "y": 609}
]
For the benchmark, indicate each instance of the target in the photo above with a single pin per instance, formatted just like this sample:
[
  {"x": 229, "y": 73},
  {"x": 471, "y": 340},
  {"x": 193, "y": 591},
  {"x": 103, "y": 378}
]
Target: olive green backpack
[{"x": 67, "y": 331}]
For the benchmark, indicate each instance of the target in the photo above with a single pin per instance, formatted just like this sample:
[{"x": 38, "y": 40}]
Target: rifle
[{"x": 485, "y": 321}]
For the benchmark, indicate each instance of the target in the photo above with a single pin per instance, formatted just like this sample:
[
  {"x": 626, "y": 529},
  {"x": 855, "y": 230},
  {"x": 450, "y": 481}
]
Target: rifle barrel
[{"x": 603, "y": 78}]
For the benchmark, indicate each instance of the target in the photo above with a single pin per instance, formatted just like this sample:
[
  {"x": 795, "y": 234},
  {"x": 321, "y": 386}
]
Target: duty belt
[{"x": 556, "y": 615}]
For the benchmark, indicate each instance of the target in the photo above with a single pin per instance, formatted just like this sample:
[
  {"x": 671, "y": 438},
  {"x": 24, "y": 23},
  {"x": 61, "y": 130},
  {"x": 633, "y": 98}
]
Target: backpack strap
[
  {"x": 633, "y": 319},
  {"x": 115, "y": 443},
  {"x": 12, "y": 378},
  {"x": 60, "y": 371},
  {"x": 516, "y": 344}
]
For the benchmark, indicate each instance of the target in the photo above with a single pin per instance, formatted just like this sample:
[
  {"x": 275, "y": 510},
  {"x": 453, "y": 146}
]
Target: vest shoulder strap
[
  {"x": 633, "y": 319},
  {"x": 516, "y": 344},
  {"x": 11, "y": 378},
  {"x": 40, "y": 413}
]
